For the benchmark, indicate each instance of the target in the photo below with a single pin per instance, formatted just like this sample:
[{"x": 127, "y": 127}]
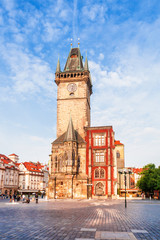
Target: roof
[
  {"x": 13, "y": 154},
  {"x": 61, "y": 139},
  {"x": 5, "y": 159},
  {"x": 34, "y": 167},
  {"x": 70, "y": 134},
  {"x": 86, "y": 64},
  {"x": 17, "y": 164},
  {"x": 137, "y": 170},
  {"x": 8, "y": 163},
  {"x": 74, "y": 60},
  {"x": 30, "y": 166},
  {"x": 117, "y": 142}
]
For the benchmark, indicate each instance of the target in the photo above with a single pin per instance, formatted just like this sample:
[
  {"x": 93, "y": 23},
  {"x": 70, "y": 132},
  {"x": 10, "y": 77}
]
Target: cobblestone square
[{"x": 80, "y": 220}]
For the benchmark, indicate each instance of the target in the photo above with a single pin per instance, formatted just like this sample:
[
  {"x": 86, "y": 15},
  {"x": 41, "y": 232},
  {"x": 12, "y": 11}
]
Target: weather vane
[
  {"x": 71, "y": 42},
  {"x": 78, "y": 41}
]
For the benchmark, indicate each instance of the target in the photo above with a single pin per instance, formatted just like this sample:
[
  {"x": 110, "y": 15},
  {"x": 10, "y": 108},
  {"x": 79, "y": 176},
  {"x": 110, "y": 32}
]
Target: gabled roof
[
  {"x": 61, "y": 139},
  {"x": 5, "y": 159},
  {"x": 74, "y": 60},
  {"x": 31, "y": 167},
  {"x": 34, "y": 167},
  {"x": 8, "y": 163},
  {"x": 70, "y": 134}
]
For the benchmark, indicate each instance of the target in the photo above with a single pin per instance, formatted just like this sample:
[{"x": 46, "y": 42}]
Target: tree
[{"x": 150, "y": 179}]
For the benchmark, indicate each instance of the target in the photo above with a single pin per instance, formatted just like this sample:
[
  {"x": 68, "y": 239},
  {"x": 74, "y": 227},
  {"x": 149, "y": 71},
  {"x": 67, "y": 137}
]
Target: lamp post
[{"x": 125, "y": 172}]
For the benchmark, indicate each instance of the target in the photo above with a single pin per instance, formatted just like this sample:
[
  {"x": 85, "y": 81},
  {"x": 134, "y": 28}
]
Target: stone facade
[
  {"x": 73, "y": 97},
  {"x": 71, "y": 164}
]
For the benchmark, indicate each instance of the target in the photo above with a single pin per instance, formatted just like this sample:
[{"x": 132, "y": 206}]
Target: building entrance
[{"x": 99, "y": 190}]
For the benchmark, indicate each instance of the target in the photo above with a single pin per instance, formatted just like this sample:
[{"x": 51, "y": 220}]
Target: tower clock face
[{"x": 72, "y": 87}]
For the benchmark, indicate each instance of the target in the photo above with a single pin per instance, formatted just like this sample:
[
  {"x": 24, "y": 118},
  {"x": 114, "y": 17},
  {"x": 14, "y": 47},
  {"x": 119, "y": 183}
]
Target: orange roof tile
[
  {"x": 137, "y": 170},
  {"x": 117, "y": 142},
  {"x": 31, "y": 167},
  {"x": 5, "y": 159}
]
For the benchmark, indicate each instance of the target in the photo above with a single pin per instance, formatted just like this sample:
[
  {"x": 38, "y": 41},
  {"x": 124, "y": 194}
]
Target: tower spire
[
  {"x": 58, "y": 68},
  {"x": 86, "y": 68}
]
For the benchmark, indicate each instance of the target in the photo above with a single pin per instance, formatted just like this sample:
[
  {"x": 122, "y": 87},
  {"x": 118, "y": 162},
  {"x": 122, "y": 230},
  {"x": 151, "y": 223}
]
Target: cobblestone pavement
[{"x": 80, "y": 220}]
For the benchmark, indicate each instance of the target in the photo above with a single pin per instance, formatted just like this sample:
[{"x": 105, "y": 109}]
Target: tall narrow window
[
  {"x": 96, "y": 173},
  {"x": 102, "y": 173}
]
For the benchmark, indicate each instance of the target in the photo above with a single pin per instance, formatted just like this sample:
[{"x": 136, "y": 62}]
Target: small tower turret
[{"x": 58, "y": 68}]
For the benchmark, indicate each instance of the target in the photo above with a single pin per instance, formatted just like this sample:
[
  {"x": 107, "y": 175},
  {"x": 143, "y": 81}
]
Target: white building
[
  {"x": 27, "y": 177},
  {"x": 33, "y": 177},
  {"x": 9, "y": 176}
]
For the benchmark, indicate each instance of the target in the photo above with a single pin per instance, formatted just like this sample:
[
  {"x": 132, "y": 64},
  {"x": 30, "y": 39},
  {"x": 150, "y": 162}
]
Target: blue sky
[{"x": 122, "y": 40}]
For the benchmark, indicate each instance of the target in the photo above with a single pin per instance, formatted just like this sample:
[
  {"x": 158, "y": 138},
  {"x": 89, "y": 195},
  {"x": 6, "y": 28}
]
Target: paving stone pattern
[{"x": 80, "y": 220}]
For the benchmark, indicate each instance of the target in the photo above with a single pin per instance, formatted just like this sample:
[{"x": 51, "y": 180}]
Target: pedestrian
[
  {"x": 14, "y": 197},
  {"x": 10, "y": 197},
  {"x": 36, "y": 197},
  {"x": 23, "y": 198},
  {"x": 28, "y": 200}
]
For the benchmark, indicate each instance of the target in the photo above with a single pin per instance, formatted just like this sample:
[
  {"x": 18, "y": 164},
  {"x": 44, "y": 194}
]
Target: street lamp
[{"x": 125, "y": 172}]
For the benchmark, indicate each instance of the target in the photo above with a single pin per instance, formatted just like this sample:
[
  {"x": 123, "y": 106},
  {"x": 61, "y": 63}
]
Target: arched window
[
  {"x": 96, "y": 173},
  {"x": 102, "y": 173},
  {"x": 118, "y": 154}
]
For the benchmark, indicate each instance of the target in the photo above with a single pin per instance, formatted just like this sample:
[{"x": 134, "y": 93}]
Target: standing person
[
  {"x": 14, "y": 197},
  {"x": 36, "y": 197},
  {"x": 23, "y": 198},
  {"x": 10, "y": 197},
  {"x": 28, "y": 199}
]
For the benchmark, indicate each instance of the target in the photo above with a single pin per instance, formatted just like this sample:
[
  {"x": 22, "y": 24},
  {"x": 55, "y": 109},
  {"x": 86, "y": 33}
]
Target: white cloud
[
  {"x": 101, "y": 56},
  {"x": 28, "y": 73},
  {"x": 95, "y": 12}
]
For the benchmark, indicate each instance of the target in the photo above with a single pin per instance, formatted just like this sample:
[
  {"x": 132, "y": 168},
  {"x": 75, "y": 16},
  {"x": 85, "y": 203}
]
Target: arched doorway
[{"x": 99, "y": 189}]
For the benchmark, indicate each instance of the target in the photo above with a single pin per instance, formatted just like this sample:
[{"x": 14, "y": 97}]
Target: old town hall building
[{"x": 82, "y": 160}]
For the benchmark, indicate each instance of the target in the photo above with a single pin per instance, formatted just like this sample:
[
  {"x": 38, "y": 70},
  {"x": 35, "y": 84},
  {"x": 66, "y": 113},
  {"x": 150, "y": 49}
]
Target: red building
[{"x": 101, "y": 166}]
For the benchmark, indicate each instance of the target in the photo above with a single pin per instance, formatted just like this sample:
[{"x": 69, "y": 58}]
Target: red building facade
[{"x": 101, "y": 166}]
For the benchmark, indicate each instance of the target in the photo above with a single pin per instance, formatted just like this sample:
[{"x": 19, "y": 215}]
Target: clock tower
[
  {"x": 74, "y": 88},
  {"x": 82, "y": 162}
]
